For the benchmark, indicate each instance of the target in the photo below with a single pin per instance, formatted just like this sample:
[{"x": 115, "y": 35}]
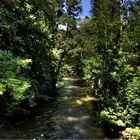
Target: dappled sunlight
[
  {"x": 71, "y": 119},
  {"x": 74, "y": 119},
  {"x": 76, "y": 88},
  {"x": 76, "y": 114},
  {"x": 78, "y": 102},
  {"x": 82, "y": 100},
  {"x": 72, "y": 87},
  {"x": 70, "y": 79},
  {"x": 64, "y": 98}
]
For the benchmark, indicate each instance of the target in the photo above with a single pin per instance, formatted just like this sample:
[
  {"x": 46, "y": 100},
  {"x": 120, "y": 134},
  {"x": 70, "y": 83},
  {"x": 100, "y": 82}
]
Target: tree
[
  {"x": 111, "y": 60},
  {"x": 29, "y": 31}
]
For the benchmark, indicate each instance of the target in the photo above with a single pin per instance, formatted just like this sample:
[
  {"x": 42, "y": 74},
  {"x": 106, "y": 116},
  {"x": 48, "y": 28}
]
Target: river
[{"x": 72, "y": 115}]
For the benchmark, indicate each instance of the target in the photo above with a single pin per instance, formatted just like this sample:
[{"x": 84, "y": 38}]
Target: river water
[{"x": 72, "y": 115}]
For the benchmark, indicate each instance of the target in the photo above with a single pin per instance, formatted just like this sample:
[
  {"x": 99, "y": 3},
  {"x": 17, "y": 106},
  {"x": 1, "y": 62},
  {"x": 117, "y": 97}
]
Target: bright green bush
[
  {"x": 136, "y": 133},
  {"x": 13, "y": 86}
]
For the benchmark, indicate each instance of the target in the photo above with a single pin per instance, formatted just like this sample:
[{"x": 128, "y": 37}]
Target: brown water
[{"x": 73, "y": 115}]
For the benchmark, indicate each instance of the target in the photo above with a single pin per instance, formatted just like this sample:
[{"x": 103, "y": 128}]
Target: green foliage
[
  {"x": 29, "y": 34},
  {"x": 35, "y": 53},
  {"x": 110, "y": 54},
  {"x": 13, "y": 87},
  {"x": 66, "y": 70},
  {"x": 136, "y": 133},
  {"x": 93, "y": 67},
  {"x": 131, "y": 133},
  {"x": 110, "y": 117}
]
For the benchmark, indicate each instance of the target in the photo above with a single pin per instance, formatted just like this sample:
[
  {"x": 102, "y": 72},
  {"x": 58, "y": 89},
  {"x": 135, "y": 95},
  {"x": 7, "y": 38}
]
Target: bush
[{"x": 14, "y": 88}]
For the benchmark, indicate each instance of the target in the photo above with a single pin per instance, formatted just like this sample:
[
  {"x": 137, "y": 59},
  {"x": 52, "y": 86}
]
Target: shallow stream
[{"x": 73, "y": 115}]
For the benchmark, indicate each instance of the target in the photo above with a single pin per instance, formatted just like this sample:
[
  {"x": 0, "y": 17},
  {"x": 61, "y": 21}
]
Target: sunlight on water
[
  {"x": 74, "y": 119},
  {"x": 70, "y": 79},
  {"x": 83, "y": 100},
  {"x": 72, "y": 87},
  {"x": 71, "y": 119}
]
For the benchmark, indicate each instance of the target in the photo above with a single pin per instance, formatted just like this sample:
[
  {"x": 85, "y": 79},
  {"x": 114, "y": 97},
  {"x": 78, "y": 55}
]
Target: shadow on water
[
  {"x": 73, "y": 115},
  {"x": 37, "y": 124}
]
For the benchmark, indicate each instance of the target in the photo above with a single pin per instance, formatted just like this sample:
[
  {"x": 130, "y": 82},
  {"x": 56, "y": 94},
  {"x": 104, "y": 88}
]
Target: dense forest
[{"x": 43, "y": 41}]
